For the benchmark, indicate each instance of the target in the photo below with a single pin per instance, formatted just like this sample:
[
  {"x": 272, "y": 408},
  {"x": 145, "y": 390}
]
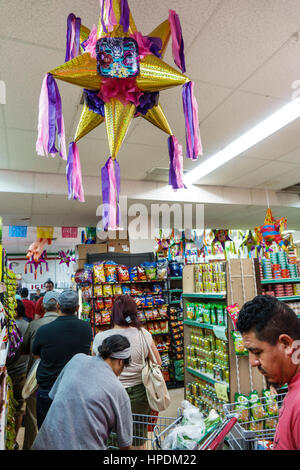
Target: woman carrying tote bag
[{"x": 125, "y": 322}]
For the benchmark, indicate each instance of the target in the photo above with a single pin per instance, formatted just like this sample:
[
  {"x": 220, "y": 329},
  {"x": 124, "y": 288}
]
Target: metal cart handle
[{"x": 220, "y": 438}]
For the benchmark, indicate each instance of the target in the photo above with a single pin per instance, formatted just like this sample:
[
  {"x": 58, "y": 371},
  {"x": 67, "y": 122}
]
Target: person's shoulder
[{"x": 146, "y": 332}]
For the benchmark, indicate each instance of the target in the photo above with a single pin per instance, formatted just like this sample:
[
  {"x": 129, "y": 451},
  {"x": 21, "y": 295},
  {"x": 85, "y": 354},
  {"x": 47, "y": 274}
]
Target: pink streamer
[
  {"x": 178, "y": 162},
  {"x": 43, "y": 122},
  {"x": 197, "y": 139},
  {"x": 76, "y": 176},
  {"x": 143, "y": 44},
  {"x": 112, "y": 196},
  {"x": 90, "y": 43},
  {"x": 177, "y": 40}
]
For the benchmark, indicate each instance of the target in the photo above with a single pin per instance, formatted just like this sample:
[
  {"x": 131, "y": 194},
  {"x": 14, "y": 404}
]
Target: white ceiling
[{"x": 243, "y": 56}]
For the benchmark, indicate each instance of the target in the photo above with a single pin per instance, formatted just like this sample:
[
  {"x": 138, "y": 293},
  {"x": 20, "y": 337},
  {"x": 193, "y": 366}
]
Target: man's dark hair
[
  {"x": 268, "y": 318},
  {"x": 24, "y": 292},
  {"x": 68, "y": 310},
  {"x": 20, "y": 308},
  {"x": 49, "y": 282}
]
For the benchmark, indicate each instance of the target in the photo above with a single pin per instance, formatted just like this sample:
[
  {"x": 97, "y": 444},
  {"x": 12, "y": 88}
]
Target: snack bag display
[
  {"x": 108, "y": 303},
  {"x": 162, "y": 269},
  {"x": 150, "y": 327},
  {"x": 163, "y": 312},
  {"x": 239, "y": 347},
  {"x": 126, "y": 290},
  {"x": 271, "y": 405},
  {"x": 106, "y": 318},
  {"x": 206, "y": 314},
  {"x": 87, "y": 293},
  {"x": 117, "y": 289},
  {"x": 157, "y": 327},
  {"x": 190, "y": 311},
  {"x": 150, "y": 271},
  {"x": 164, "y": 327},
  {"x": 86, "y": 308},
  {"x": 233, "y": 311},
  {"x": 123, "y": 273},
  {"x": 98, "y": 291},
  {"x": 99, "y": 304},
  {"x": 99, "y": 275},
  {"x": 199, "y": 313},
  {"x": 157, "y": 288},
  {"x": 141, "y": 316},
  {"x": 107, "y": 290},
  {"x": 242, "y": 407},
  {"x": 141, "y": 273},
  {"x": 256, "y": 407},
  {"x": 133, "y": 274},
  {"x": 110, "y": 270}
]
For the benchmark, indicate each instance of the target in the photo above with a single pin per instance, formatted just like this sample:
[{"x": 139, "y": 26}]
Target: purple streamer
[
  {"x": 94, "y": 102},
  {"x": 190, "y": 109},
  {"x": 55, "y": 118},
  {"x": 125, "y": 15},
  {"x": 176, "y": 168},
  {"x": 155, "y": 46},
  {"x": 69, "y": 170},
  {"x": 102, "y": 17},
  {"x": 105, "y": 194},
  {"x": 147, "y": 101},
  {"x": 69, "y": 47},
  {"x": 118, "y": 182}
]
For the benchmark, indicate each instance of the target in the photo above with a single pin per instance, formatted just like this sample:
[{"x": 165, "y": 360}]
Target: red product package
[
  {"x": 106, "y": 318},
  {"x": 99, "y": 304},
  {"x": 233, "y": 311},
  {"x": 123, "y": 273},
  {"x": 108, "y": 303},
  {"x": 141, "y": 273}
]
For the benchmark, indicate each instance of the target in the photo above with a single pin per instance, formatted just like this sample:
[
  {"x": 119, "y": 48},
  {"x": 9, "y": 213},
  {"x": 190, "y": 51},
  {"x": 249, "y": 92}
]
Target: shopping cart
[{"x": 242, "y": 437}]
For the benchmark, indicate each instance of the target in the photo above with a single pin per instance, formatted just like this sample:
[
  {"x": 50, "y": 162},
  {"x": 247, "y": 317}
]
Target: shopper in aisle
[
  {"x": 51, "y": 307},
  {"x": 29, "y": 305},
  {"x": 125, "y": 322},
  {"x": 56, "y": 343},
  {"x": 39, "y": 308},
  {"x": 37, "y": 295},
  {"x": 271, "y": 333},
  {"x": 89, "y": 402},
  {"x": 16, "y": 369}
]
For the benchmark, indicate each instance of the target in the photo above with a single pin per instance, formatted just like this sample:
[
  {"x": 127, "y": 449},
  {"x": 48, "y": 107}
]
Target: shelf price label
[{"x": 222, "y": 391}]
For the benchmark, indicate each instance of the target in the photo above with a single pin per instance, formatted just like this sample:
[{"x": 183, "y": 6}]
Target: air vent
[{"x": 159, "y": 174}]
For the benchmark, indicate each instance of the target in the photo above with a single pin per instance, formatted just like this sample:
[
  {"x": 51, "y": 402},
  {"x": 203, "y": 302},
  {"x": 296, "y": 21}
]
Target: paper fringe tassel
[
  {"x": 73, "y": 171},
  {"x": 108, "y": 19},
  {"x": 73, "y": 37},
  {"x": 190, "y": 109},
  {"x": 176, "y": 163},
  {"x": 51, "y": 120},
  {"x": 177, "y": 40},
  {"x": 110, "y": 175}
]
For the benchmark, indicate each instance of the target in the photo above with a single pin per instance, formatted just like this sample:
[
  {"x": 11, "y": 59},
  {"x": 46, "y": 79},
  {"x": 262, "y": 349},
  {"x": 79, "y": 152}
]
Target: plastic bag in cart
[{"x": 191, "y": 430}]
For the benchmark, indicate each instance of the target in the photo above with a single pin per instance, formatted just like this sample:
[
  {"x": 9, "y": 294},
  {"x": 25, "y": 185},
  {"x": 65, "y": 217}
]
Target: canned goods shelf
[
  {"x": 213, "y": 295},
  {"x": 175, "y": 290},
  {"x": 206, "y": 377},
  {"x": 175, "y": 278},
  {"x": 276, "y": 281},
  {"x": 288, "y": 298}
]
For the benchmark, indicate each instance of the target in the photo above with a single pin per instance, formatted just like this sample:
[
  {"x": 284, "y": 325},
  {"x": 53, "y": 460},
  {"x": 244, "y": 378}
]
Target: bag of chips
[
  {"x": 190, "y": 311},
  {"x": 271, "y": 404},
  {"x": 107, "y": 290},
  {"x": 110, "y": 270},
  {"x": 108, "y": 303},
  {"x": 86, "y": 308},
  {"x": 163, "y": 312},
  {"x": 157, "y": 288},
  {"x": 99, "y": 275},
  {"x": 242, "y": 407},
  {"x": 98, "y": 291},
  {"x": 106, "y": 317},
  {"x": 117, "y": 289},
  {"x": 141, "y": 273},
  {"x": 239, "y": 347},
  {"x": 133, "y": 274},
  {"x": 87, "y": 293},
  {"x": 123, "y": 273},
  {"x": 233, "y": 311},
  {"x": 162, "y": 269},
  {"x": 126, "y": 290},
  {"x": 99, "y": 304},
  {"x": 150, "y": 271},
  {"x": 257, "y": 409}
]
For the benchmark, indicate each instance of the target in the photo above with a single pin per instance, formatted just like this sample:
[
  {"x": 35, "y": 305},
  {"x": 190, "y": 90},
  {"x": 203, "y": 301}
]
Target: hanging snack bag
[
  {"x": 141, "y": 273},
  {"x": 87, "y": 293},
  {"x": 134, "y": 289},
  {"x": 199, "y": 313},
  {"x": 110, "y": 270},
  {"x": 108, "y": 303},
  {"x": 257, "y": 410},
  {"x": 233, "y": 311},
  {"x": 157, "y": 288},
  {"x": 141, "y": 316},
  {"x": 163, "y": 312},
  {"x": 162, "y": 269},
  {"x": 86, "y": 308},
  {"x": 106, "y": 318},
  {"x": 220, "y": 315},
  {"x": 213, "y": 316},
  {"x": 133, "y": 274},
  {"x": 239, "y": 347},
  {"x": 117, "y": 289},
  {"x": 99, "y": 275},
  {"x": 107, "y": 290},
  {"x": 99, "y": 304},
  {"x": 206, "y": 314},
  {"x": 126, "y": 290},
  {"x": 271, "y": 404},
  {"x": 98, "y": 291},
  {"x": 164, "y": 327},
  {"x": 151, "y": 328},
  {"x": 242, "y": 407},
  {"x": 150, "y": 270},
  {"x": 190, "y": 312},
  {"x": 123, "y": 273}
]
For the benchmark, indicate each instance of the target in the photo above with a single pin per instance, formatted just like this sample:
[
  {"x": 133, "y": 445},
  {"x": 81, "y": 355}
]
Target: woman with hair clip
[
  {"x": 126, "y": 323},
  {"x": 89, "y": 402}
]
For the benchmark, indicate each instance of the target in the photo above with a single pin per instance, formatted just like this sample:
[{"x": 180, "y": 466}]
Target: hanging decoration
[
  {"x": 271, "y": 231},
  {"x": 221, "y": 237},
  {"x": 36, "y": 249},
  {"x": 34, "y": 264},
  {"x": 18, "y": 231},
  {"x": 122, "y": 73},
  {"x": 89, "y": 236},
  {"x": 67, "y": 257}
]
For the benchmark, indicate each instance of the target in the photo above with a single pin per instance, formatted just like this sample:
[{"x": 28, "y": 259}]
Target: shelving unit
[{"x": 206, "y": 389}]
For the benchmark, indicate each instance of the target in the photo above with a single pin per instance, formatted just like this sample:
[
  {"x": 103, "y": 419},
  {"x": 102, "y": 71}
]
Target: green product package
[
  {"x": 257, "y": 410},
  {"x": 271, "y": 405},
  {"x": 190, "y": 311},
  {"x": 206, "y": 314},
  {"x": 199, "y": 313},
  {"x": 242, "y": 407},
  {"x": 220, "y": 316},
  {"x": 239, "y": 347},
  {"x": 213, "y": 316}
]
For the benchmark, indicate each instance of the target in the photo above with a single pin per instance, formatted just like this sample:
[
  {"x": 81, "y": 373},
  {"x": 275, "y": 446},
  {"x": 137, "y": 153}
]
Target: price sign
[{"x": 222, "y": 391}]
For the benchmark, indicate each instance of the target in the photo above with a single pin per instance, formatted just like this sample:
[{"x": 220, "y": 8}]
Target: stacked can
[
  {"x": 261, "y": 271},
  {"x": 285, "y": 273},
  {"x": 267, "y": 268},
  {"x": 279, "y": 290},
  {"x": 296, "y": 289},
  {"x": 289, "y": 290},
  {"x": 276, "y": 271},
  {"x": 293, "y": 271}
]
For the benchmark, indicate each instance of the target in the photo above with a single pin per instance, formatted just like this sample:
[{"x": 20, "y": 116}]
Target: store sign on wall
[{"x": 69, "y": 232}]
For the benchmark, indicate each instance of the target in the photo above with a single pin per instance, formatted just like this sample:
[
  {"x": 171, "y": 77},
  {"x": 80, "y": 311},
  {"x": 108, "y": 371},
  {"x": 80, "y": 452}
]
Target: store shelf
[
  {"x": 199, "y": 295},
  {"x": 200, "y": 325},
  {"x": 175, "y": 278},
  {"x": 207, "y": 377},
  {"x": 288, "y": 298},
  {"x": 130, "y": 282},
  {"x": 173, "y": 302},
  {"x": 280, "y": 281},
  {"x": 175, "y": 290}
]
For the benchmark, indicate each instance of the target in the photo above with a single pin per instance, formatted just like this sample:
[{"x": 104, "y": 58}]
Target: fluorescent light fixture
[{"x": 273, "y": 123}]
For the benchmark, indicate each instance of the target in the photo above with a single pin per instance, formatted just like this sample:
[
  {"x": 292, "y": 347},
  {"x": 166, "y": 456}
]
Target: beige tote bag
[
  {"x": 31, "y": 384},
  {"x": 154, "y": 382}
]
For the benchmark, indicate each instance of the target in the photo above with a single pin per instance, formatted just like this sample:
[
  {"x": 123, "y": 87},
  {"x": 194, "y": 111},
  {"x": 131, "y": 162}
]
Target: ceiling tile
[{"x": 4, "y": 157}]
